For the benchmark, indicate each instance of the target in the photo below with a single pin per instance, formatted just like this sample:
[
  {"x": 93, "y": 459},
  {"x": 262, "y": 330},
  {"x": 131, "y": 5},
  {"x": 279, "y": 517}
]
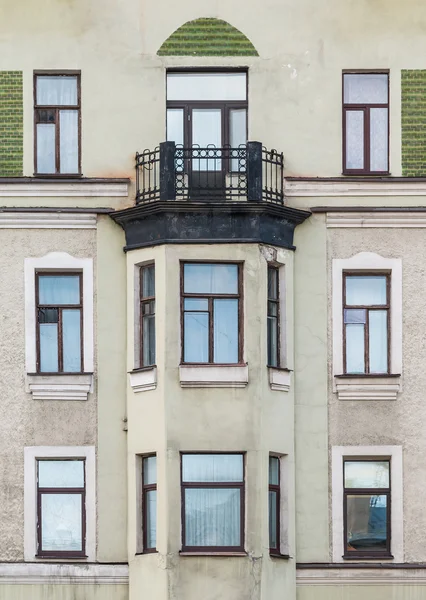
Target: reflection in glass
[
  {"x": 151, "y": 518},
  {"x": 365, "y": 290},
  {"x": 71, "y": 337},
  {"x": 61, "y": 473},
  {"x": 210, "y": 278},
  {"x": 355, "y": 348},
  {"x": 48, "y": 333},
  {"x": 61, "y": 522},
  {"x": 225, "y": 335},
  {"x": 57, "y": 290},
  {"x": 150, "y": 470},
  {"x": 196, "y": 337},
  {"x": 378, "y": 341},
  {"x": 273, "y": 542},
  {"x": 366, "y": 474},
  {"x": 366, "y": 522},
  {"x": 274, "y": 470}
]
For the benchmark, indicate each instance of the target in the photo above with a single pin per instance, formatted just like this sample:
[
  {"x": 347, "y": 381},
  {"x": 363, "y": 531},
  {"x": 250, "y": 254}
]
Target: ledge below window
[
  {"x": 144, "y": 379},
  {"x": 279, "y": 379},
  {"x": 213, "y": 376},
  {"x": 59, "y": 386},
  {"x": 207, "y": 553},
  {"x": 367, "y": 387}
]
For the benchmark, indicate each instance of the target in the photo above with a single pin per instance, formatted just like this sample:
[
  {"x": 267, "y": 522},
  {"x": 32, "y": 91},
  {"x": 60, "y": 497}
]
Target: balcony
[{"x": 173, "y": 173}]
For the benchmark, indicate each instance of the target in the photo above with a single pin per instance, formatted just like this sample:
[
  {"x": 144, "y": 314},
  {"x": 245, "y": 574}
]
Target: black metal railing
[{"x": 249, "y": 172}]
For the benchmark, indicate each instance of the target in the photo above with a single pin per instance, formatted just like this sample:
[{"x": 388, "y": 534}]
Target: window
[
  {"x": 366, "y": 323},
  {"x": 59, "y": 322},
  {"x": 147, "y": 312},
  {"x": 149, "y": 503},
  {"x": 273, "y": 317},
  {"x": 61, "y": 508},
  {"x": 365, "y": 123},
  {"x": 207, "y": 109},
  {"x": 366, "y": 508},
  {"x": 274, "y": 505},
  {"x": 211, "y": 313},
  {"x": 213, "y": 502},
  {"x": 57, "y": 123}
]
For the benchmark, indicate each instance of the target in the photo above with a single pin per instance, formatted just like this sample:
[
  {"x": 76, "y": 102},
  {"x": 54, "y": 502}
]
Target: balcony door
[{"x": 207, "y": 114}]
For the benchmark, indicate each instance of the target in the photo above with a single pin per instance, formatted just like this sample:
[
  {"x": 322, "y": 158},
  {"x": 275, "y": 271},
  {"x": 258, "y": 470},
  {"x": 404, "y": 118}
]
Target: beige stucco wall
[
  {"x": 367, "y": 592},
  {"x": 402, "y": 421},
  {"x": 170, "y": 419},
  {"x": 63, "y": 592},
  {"x": 295, "y": 84}
]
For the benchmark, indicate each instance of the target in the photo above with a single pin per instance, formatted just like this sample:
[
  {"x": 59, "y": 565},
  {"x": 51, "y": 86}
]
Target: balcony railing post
[
  {"x": 254, "y": 171},
  {"x": 167, "y": 171}
]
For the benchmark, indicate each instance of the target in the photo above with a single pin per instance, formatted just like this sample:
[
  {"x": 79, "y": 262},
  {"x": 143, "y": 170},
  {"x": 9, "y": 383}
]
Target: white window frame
[
  {"x": 371, "y": 389},
  {"x": 31, "y": 455},
  {"x": 338, "y": 453},
  {"x": 58, "y": 261}
]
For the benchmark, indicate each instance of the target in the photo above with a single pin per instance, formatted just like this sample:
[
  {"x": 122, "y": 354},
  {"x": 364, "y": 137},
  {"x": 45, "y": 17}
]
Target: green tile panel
[
  {"x": 11, "y": 124},
  {"x": 413, "y": 122}
]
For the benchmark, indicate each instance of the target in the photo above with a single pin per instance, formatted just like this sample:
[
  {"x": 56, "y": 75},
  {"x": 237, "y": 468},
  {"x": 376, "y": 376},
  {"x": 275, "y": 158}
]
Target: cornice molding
[
  {"x": 65, "y": 574},
  {"x": 376, "y": 219},
  {"x": 335, "y": 187},
  {"x": 364, "y": 577},
  {"x": 39, "y": 188},
  {"x": 47, "y": 220}
]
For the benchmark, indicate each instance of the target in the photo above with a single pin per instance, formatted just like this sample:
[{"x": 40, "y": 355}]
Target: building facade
[{"x": 211, "y": 340}]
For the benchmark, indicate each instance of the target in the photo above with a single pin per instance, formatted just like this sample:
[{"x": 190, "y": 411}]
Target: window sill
[
  {"x": 146, "y": 552},
  {"x": 279, "y": 379},
  {"x": 59, "y": 386},
  {"x": 213, "y": 376},
  {"x": 278, "y": 555},
  {"x": 203, "y": 553},
  {"x": 143, "y": 379},
  {"x": 367, "y": 387},
  {"x": 59, "y": 557},
  {"x": 377, "y": 557}
]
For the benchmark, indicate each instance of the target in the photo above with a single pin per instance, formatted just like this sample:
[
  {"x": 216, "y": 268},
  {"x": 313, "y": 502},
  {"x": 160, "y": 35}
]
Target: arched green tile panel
[{"x": 207, "y": 37}]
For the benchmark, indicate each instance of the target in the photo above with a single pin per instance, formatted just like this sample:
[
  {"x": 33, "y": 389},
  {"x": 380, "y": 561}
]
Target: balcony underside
[{"x": 172, "y": 222}]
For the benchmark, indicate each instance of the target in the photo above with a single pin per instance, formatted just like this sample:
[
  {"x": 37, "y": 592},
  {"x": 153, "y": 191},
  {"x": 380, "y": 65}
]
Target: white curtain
[
  {"x": 46, "y": 133},
  {"x": 57, "y": 91},
  {"x": 68, "y": 143}
]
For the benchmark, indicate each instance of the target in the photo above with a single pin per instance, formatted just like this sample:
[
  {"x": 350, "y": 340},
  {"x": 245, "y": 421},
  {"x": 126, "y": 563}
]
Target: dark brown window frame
[
  {"x": 208, "y": 485},
  {"x": 59, "y": 308},
  {"x": 37, "y": 108},
  {"x": 211, "y": 297},
  {"x": 367, "y": 554},
  {"x": 224, "y": 105},
  {"x": 150, "y": 487},
  {"x": 143, "y": 300},
  {"x": 382, "y": 307},
  {"x": 365, "y": 108},
  {"x": 276, "y": 488},
  {"x": 76, "y": 491},
  {"x": 275, "y": 301}
]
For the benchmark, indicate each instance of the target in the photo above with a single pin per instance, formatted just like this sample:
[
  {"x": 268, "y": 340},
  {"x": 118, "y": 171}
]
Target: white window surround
[
  {"x": 143, "y": 379},
  {"x": 376, "y": 387},
  {"x": 69, "y": 386},
  {"x": 338, "y": 453},
  {"x": 31, "y": 454}
]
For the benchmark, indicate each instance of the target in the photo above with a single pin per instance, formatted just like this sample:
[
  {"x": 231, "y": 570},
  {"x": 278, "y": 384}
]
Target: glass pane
[
  {"x": 46, "y": 148},
  {"x": 148, "y": 326},
  {"x": 272, "y": 309},
  {"x": 61, "y": 473},
  {"x": 366, "y": 523},
  {"x": 274, "y": 470},
  {"x": 71, "y": 337},
  {"x": 49, "y": 348},
  {"x": 151, "y": 518},
  {"x": 355, "y": 316},
  {"x": 212, "y": 517},
  {"x": 365, "y": 290},
  {"x": 378, "y": 341},
  {"x": 148, "y": 281},
  {"x": 273, "y": 284},
  {"x": 59, "y": 289},
  {"x": 150, "y": 470},
  {"x": 61, "y": 522},
  {"x": 273, "y": 541},
  {"x": 379, "y": 139},
  {"x": 196, "y": 337},
  {"x": 175, "y": 125},
  {"x": 367, "y": 473},
  {"x": 354, "y": 139},
  {"x": 237, "y": 133},
  {"x": 210, "y": 278},
  {"x": 196, "y": 304},
  {"x": 225, "y": 334},
  {"x": 212, "y": 467},
  {"x": 206, "y": 86},
  {"x": 68, "y": 141},
  {"x": 361, "y": 88},
  {"x": 207, "y": 131},
  {"x": 272, "y": 341},
  {"x": 57, "y": 90},
  {"x": 355, "y": 348}
]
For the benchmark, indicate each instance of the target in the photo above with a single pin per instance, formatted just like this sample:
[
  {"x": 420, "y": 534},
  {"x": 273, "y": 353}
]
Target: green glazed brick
[
  {"x": 11, "y": 124},
  {"x": 207, "y": 37},
  {"x": 413, "y": 122}
]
